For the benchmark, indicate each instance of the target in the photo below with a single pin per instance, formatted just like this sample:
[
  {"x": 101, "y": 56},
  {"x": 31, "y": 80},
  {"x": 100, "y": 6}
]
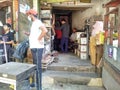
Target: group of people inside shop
[{"x": 64, "y": 42}]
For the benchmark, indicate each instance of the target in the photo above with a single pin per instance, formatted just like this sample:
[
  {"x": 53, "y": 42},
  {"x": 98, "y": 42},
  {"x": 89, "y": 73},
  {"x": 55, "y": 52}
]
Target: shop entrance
[{"x": 59, "y": 15}]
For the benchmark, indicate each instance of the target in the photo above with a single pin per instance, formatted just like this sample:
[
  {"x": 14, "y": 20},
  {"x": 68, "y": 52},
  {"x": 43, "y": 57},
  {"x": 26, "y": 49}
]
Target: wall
[
  {"x": 108, "y": 81},
  {"x": 23, "y": 23},
  {"x": 111, "y": 69},
  {"x": 2, "y": 16},
  {"x": 79, "y": 17}
]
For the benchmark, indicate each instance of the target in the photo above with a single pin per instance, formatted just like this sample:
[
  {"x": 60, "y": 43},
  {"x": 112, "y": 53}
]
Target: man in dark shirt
[
  {"x": 8, "y": 39},
  {"x": 12, "y": 32},
  {"x": 65, "y": 35}
]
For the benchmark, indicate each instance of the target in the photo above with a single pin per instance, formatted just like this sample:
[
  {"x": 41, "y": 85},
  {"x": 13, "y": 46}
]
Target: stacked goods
[{"x": 47, "y": 59}]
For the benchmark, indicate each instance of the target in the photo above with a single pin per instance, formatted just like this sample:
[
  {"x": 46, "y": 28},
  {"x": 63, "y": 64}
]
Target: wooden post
[
  {"x": 119, "y": 26},
  {"x": 106, "y": 19},
  {"x": 111, "y": 31}
]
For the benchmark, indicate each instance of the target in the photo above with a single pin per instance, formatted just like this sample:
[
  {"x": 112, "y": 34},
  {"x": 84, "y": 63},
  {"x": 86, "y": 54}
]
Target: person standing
[
  {"x": 36, "y": 41},
  {"x": 73, "y": 36},
  {"x": 11, "y": 31},
  {"x": 65, "y": 28},
  {"x": 8, "y": 39},
  {"x": 58, "y": 35},
  {"x": 73, "y": 40}
]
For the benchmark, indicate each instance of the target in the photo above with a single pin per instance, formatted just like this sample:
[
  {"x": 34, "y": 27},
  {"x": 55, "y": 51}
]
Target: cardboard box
[
  {"x": 83, "y": 48},
  {"x": 83, "y": 40},
  {"x": 83, "y": 56}
]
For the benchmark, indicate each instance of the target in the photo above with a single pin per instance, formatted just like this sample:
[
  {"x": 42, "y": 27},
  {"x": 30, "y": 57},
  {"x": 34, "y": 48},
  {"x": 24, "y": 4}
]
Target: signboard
[{"x": 110, "y": 52}]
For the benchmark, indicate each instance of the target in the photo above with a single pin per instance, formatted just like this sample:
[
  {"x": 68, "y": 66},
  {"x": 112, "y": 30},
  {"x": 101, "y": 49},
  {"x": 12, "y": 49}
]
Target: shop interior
[{"x": 67, "y": 15}]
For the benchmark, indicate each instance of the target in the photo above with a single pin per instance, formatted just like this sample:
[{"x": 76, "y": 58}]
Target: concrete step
[
  {"x": 70, "y": 62},
  {"x": 61, "y": 86},
  {"x": 72, "y": 68},
  {"x": 81, "y": 78}
]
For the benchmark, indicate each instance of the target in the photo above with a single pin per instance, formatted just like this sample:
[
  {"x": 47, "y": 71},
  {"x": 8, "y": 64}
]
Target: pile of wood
[{"x": 47, "y": 59}]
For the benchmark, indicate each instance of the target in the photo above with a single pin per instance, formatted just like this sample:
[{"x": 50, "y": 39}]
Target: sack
[{"x": 21, "y": 51}]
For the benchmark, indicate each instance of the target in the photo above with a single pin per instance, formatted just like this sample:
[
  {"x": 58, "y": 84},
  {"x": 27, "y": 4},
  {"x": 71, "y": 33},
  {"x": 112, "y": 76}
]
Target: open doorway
[{"x": 59, "y": 16}]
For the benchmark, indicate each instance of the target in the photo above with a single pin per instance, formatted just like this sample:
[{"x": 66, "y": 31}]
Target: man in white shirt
[
  {"x": 36, "y": 40},
  {"x": 73, "y": 39},
  {"x": 73, "y": 36}
]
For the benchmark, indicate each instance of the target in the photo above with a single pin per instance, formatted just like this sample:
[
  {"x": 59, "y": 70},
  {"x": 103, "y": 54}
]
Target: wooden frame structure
[
  {"x": 115, "y": 4},
  {"x": 111, "y": 53}
]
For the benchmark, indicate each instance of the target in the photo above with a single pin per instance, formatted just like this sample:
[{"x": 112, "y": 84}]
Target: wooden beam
[
  {"x": 112, "y": 3},
  {"x": 111, "y": 30},
  {"x": 56, "y": 1},
  {"x": 4, "y": 3},
  {"x": 114, "y": 11},
  {"x": 80, "y": 7},
  {"x": 118, "y": 26},
  {"x": 85, "y": 1},
  {"x": 71, "y": 8}
]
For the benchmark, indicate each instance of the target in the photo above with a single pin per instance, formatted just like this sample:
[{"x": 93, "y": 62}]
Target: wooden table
[{"x": 15, "y": 72}]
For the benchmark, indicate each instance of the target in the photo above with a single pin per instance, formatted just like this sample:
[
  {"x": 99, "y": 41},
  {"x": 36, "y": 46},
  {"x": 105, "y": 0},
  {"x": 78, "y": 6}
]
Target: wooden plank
[
  {"x": 114, "y": 11},
  {"x": 56, "y": 1},
  {"x": 106, "y": 18},
  {"x": 118, "y": 26},
  {"x": 111, "y": 31},
  {"x": 71, "y": 8},
  {"x": 4, "y": 3},
  {"x": 112, "y": 3},
  {"x": 47, "y": 62},
  {"x": 85, "y": 1}
]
